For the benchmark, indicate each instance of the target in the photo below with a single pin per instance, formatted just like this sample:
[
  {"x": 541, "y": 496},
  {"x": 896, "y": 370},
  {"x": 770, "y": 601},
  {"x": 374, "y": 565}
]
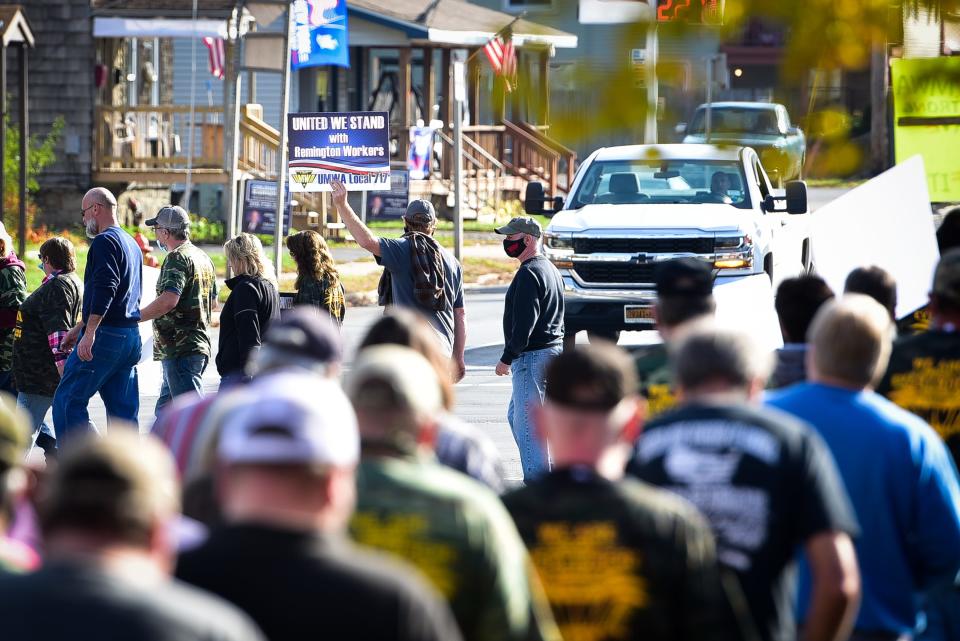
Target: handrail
[
  {"x": 483, "y": 152},
  {"x": 476, "y": 163},
  {"x": 531, "y": 139},
  {"x": 544, "y": 139}
]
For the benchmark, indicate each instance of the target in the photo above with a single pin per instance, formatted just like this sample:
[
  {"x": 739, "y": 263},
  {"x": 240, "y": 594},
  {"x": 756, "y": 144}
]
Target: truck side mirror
[
  {"x": 534, "y": 199},
  {"x": 796, "y": 197},
  {"x": 769, "y": 203},
  {"x": 557, "y": 205}
]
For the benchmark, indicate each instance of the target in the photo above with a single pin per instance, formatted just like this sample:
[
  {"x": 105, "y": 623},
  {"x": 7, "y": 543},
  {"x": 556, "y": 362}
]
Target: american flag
[
  {"x": 503, "y": 58},
  {"x": 216, "y": 56}
]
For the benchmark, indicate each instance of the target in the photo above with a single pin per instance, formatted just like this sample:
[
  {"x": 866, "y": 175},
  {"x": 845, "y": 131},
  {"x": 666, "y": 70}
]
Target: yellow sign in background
[{"x": 926, "y": 120}]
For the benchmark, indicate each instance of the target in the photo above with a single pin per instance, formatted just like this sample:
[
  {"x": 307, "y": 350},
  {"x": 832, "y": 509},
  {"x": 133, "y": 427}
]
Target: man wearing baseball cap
[
  {"x": 182, "y": 311},
  {"x": 532, "y": 335},
  {"x": 455, "y": 530},
  {"x": 684, "y": 293},
  {"x": 287, "y": 456},
  {"x": 924, "y": 371},
  {"x": 418, "y": 273}
]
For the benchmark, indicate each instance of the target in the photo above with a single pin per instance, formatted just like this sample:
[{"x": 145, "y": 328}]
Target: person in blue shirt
[
  {"x": 107, "y": 338},
  {"x": 899, "y": 475}
]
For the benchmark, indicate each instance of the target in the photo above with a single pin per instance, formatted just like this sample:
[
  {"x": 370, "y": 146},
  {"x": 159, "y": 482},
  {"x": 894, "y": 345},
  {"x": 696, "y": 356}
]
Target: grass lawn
[{"x": 446, "y": 225}]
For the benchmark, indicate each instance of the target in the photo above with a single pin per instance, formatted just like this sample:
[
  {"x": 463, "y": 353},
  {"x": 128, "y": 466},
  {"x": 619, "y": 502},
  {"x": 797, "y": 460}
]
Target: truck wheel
[{"x": 598, "y": 336}]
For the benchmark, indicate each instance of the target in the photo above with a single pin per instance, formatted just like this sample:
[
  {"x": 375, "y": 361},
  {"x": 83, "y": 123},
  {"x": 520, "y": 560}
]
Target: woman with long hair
[
  {"x": 254, "y": 302},
  {"x": 318, "y": 281}
]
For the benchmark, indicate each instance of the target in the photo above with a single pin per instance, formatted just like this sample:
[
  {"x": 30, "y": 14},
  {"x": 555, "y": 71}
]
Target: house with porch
[{"x": 145, "y": 118}]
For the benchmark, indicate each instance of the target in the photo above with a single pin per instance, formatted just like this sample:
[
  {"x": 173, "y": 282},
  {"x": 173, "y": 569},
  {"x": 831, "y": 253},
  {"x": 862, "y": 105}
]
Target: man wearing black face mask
[{"x": 532, "y": 335}]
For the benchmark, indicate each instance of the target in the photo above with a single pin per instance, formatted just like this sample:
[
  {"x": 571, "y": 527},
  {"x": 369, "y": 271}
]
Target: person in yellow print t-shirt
[
  {"x": 924, "y": 371},
  {"x": 619, "y": 559}
]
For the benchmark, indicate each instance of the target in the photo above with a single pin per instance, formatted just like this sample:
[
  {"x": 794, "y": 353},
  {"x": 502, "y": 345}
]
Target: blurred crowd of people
[{"x": 700, "y": 489}]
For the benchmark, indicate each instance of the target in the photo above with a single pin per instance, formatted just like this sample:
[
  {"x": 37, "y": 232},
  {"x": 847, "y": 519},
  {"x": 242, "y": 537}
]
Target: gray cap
[
  {"x": 946, "y": 279},
  {"x": 170, "y": 217},
  {"x": 420, "y": 211},
  {"x": 521, "y": 225}
]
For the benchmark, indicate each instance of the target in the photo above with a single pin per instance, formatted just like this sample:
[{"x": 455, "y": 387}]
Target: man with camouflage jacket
[{"x": 181, "y": 313}]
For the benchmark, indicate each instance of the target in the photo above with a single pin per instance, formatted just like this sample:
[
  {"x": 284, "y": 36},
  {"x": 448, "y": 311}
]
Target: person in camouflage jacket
[
  {"x": 43, "y": 321},
  {"x": 182, "y": 311},
  {"x": 13, "y": 291}
]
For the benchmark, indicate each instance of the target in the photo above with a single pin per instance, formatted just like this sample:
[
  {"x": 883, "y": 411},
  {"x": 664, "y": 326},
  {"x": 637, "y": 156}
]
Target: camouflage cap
[
  {"x": 13, "y": 433},
  {"x": 946, "y": 279},
  {"x": 170, "y": 217},
  {"x": 520, "y": 225}
]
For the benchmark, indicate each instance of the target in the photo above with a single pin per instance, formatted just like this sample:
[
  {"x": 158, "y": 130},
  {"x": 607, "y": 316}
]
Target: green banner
[{"x": 926, "y": 120}]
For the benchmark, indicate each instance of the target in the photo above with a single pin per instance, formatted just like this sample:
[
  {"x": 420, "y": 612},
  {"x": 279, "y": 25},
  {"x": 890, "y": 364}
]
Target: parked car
[
  {"x": 634, "y": 206},
  {"x": 764, "y": 126}
]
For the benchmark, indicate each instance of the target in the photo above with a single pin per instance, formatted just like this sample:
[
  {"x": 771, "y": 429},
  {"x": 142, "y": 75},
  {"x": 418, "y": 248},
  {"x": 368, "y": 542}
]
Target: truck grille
[
  {"x": 643, "y": 245},
  {"x": 614, "y": 272}
]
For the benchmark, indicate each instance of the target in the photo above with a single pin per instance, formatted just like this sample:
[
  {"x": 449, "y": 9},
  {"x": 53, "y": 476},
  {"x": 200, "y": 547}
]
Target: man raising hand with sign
[{"x": 418, "y": 273}]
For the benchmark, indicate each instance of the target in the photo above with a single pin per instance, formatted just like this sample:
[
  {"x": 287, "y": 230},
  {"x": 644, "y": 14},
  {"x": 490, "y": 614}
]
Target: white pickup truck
[{"x": 632, "y": 207}]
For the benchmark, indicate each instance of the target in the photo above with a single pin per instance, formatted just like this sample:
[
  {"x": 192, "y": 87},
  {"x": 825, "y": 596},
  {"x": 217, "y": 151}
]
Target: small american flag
[
  {"x": 503, "y": 58},
  {"x": 216, "y": 56}
]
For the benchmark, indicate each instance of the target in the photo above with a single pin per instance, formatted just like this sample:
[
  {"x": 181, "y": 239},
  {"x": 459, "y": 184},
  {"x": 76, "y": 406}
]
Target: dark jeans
[
  {"x": 180, "y": 376},
  {"x": 112, "y": 372}
]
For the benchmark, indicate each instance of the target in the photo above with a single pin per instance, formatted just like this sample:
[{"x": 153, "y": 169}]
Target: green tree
[{"x": 42, "y": 154}]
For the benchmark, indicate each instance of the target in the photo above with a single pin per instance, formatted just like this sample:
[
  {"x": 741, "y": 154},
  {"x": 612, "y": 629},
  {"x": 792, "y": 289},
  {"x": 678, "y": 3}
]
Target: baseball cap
[
  {"x": 520, "y": 225},
  {"x": 13, "y": 434},
  {"x": 946, "y": 278},
  {"x": 409, "y": 380},
  {"x": 291, "y": 419},
  {"x": 420, "y": 211},
  {"x": 684, "y": 277},
  {"x": 170, "y": 217},
  {"x": 308, "y": 333}
]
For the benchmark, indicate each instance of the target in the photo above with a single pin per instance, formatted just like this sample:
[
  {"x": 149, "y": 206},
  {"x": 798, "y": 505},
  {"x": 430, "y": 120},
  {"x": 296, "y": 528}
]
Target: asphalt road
[{"x": 482, "y": 397}]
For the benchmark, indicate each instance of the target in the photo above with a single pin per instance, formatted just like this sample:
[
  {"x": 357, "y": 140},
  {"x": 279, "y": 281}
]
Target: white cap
[{"x": 291, "y": 418}]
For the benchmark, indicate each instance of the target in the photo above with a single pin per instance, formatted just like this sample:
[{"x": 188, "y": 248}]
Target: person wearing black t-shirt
[
  {"x": 108, "y": 515},
  {"x": 766, "y": 483},
  {"x": 619, "y": 559},
  {"x": 287, "y": 454}
]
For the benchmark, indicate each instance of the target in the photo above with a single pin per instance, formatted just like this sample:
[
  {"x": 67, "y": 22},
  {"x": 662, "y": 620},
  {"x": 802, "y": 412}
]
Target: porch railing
[
  {"x": 482, "y": 173},
  {"x": 156, "y": 137},
  {"x": 258, "y": 144}
]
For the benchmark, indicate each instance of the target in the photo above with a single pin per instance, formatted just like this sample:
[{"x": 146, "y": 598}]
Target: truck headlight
[
  {"x": 556, "y": 241},
  {"x": 733, "y": 252},
  {"x": 727, "y": 243}
]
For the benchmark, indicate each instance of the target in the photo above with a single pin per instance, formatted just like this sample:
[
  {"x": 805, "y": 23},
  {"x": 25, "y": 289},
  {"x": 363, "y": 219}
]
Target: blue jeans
[
  {"x": 181, "y": 375},
  {"x": 36, "y": 405},
  {"x": 529, "y": 382},
  {"x": 112, "y": 372},
  {"x": 7, "y": 384}
]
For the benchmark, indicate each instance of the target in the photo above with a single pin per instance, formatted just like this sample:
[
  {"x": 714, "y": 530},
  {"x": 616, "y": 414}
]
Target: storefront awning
[{"x": 158, "y": 28}]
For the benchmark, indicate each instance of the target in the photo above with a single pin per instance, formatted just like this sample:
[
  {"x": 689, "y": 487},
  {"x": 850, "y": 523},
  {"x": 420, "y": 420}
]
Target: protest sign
[
  {"x": 885, "y": 222},
  {"x": 353, "y": 147},
  {"x": 260, "y": 207},
  {"x": 319, "y": 34},
  {"x": 392, "y": 203},
  {"x": 926, "y": 120}
]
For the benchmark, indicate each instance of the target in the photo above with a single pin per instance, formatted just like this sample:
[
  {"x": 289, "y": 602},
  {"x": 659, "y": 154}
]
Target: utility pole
[
  {"x": 653, "y": 90},
  {"x": 879, "y": 150},
  {"x": 459, "y": 96},
  {"x": 282, "y": 151}
]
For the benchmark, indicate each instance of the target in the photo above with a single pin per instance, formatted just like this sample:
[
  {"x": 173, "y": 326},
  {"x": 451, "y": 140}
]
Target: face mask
[
  {"x": 160, "y": 243},
  {"x": 514, "y": 248},
  {"x": 92, "y": 229}
]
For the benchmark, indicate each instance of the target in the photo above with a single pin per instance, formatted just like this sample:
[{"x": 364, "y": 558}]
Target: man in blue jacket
[
  {"x": 108, "y": 348},
  {"x": 899, "y": 474},
  {"x": 532, "y": 335}
]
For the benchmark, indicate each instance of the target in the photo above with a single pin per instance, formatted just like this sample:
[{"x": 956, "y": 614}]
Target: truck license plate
[{"x": 637, "y": 314}]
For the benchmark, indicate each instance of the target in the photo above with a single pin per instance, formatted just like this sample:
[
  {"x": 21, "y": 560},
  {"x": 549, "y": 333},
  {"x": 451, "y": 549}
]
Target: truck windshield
[
  {"x": 635, "y": 182},
  {"x": 736, "y": 120}
]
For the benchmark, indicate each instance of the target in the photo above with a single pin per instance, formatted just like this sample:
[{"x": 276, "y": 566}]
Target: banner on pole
[
  {"x": 260, "y": 207},
  {"x": 319, "y": 34},
  {"x": 353, "y": 147},
  {"x": 421, "y": 150}
]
